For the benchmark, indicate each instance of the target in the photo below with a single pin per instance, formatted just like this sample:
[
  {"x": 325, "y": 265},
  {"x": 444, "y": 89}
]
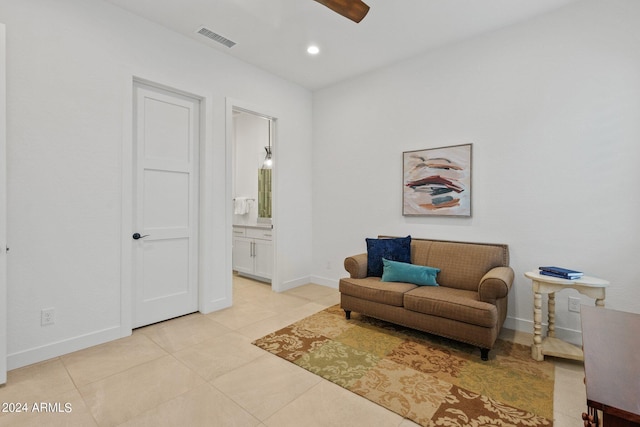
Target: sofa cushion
[
  {"x": 450, "y": 303},
  {"x": 372, "y": 289},
  {"x": 394, "y": 249},
  {"x": 462, "y": 265},
  {"x": 420, "y": 275}
]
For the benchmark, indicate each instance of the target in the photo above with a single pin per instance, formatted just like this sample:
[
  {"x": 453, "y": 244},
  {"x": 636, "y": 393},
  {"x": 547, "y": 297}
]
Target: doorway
[
  {"x": 251, "y": 142},
  {"x": 166, "y": 145}
]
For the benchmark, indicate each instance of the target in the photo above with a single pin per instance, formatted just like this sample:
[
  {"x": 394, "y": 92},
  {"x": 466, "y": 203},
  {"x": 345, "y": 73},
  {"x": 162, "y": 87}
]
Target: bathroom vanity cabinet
[{"x": 253, "y": 251}]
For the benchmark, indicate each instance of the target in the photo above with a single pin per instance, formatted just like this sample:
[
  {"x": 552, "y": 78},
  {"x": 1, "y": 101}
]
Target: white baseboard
[
  {"x": 331, "y": 283},
  {"x": 216, "y": 305},
  {"x": 570, "y": 335},
  {"x": 294, "y": 283},
  {"x": 49, "y": 351},
  {"x": 323, "y": 281}
]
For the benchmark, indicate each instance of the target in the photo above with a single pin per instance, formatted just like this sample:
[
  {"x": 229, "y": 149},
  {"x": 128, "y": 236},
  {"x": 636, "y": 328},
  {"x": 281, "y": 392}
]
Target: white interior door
[
  {"x": 165, "y": 238},
  {"x": 3, "y": 210}
]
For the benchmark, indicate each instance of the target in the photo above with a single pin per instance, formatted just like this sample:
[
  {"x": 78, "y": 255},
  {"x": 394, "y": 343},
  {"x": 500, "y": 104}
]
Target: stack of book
[{"x": 563, "y": 273}]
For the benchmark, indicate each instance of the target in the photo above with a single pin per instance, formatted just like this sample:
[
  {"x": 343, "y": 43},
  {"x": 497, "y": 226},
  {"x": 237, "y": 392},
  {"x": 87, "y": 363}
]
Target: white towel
[{"x": 241, "y": 205}]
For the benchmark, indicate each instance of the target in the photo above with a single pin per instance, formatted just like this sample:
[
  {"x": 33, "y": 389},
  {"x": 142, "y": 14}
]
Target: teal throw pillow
[{"x": 409, "y": 273}]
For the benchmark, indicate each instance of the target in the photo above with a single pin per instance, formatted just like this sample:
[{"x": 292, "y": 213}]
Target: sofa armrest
[
  {"x": 495, "y": 284},
  {"x": 356, "y": 265}
]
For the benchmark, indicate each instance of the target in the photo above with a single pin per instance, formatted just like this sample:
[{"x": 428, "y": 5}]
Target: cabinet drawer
[
  {"x": 260, "y": 233},
  {"x": 239, "y": 231}
]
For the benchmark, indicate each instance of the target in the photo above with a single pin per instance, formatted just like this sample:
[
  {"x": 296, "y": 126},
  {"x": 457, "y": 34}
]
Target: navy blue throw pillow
[{"x": 394, "y": 249}]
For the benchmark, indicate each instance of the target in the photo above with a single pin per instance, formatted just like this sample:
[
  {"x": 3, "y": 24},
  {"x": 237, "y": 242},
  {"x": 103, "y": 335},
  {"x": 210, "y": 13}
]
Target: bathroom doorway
[{"x": 253, "y": 239}]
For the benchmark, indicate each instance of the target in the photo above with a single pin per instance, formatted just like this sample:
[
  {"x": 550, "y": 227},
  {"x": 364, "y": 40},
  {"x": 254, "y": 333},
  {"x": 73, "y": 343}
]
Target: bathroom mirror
[{"x": 253, "y": 164}]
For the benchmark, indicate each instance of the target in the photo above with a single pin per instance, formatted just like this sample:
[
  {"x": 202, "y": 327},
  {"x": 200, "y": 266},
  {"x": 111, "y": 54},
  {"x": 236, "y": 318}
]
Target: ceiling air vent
[{"x": 215, "y": 37}]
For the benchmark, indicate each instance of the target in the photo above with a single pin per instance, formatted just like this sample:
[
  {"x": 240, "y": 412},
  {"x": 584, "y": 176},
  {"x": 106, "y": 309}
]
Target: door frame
[
  {"x": 239, "y": 105},
  {"x": 170, "y": 305},
  {"x": 3, "y": 206},
  {"x": 204, "y": 202}
]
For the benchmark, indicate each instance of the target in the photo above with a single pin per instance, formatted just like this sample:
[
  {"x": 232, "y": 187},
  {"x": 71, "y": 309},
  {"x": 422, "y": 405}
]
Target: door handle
[{"x": 137, "y": 236}]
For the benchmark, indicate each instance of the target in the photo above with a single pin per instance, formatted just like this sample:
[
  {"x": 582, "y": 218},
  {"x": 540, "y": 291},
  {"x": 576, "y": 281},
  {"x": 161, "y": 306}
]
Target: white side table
[{"x": 550, "y": 345}]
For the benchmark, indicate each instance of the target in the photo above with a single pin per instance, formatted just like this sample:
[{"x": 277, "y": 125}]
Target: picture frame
[{"x": 437, "y": 181}]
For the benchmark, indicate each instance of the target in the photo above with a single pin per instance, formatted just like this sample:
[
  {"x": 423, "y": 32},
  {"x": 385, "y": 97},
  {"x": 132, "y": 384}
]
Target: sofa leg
[
  {"x": 484, "y": 354},
  {"x": 347, "y": 313}
]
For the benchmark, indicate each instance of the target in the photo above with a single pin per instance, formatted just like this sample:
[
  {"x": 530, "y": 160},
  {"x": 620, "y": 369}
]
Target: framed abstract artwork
[{"x": 437, "y": 181}]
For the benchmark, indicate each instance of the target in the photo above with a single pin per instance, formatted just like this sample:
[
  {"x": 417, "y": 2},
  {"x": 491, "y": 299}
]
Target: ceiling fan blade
[{"x": 355, "y": 10}]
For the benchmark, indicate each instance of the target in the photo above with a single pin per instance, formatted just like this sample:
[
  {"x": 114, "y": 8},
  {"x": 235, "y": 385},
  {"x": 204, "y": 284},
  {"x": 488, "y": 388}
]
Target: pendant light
[{"x": 268, "y": 162}]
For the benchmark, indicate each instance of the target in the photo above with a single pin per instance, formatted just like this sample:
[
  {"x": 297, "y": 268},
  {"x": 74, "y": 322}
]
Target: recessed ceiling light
[{"x": 313, "y": 50}]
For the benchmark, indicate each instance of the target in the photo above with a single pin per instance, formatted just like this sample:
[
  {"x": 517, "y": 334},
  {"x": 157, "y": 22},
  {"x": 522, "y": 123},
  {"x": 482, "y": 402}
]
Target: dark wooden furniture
[{"x": 611, "y": 343}]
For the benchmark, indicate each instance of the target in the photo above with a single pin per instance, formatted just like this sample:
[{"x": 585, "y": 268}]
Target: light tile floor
[{"x": 201, "y": 370}]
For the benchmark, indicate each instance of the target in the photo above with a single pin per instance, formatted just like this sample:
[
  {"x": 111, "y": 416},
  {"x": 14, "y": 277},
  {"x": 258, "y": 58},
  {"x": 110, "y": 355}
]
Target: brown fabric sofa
[{"x": 469, "y": 305}]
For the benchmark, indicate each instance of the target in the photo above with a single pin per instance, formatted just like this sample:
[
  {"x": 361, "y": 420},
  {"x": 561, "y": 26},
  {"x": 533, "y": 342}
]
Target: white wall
[
  {"x": 552, "y": 107},
  {"x": 70, "y": 65}
]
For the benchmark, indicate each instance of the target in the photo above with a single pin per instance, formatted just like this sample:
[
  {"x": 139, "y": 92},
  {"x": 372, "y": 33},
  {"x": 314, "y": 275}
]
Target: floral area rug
[{"x": 430, "y": 380}]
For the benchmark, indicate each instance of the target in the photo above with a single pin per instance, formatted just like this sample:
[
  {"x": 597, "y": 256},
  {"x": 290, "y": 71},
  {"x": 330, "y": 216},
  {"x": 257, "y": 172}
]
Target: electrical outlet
[
  {"x": 47, "y": 316},
  {"x": 574, "y": 304}
]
